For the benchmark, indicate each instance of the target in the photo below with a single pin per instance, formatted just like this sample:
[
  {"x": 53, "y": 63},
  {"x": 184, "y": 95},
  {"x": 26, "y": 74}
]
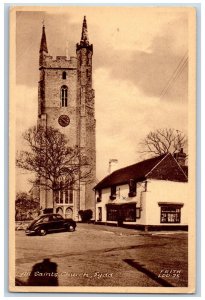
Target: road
[{"x": 97, "y": 255}]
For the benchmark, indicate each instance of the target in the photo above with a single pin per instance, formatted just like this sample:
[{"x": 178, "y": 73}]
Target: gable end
[{"x": 168, "y": 169}]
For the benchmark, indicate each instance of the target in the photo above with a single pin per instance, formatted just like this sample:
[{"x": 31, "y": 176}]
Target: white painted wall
[
  {"x": 165, "y": 191},
  {"x": 122, "y": 197},
  {"x": 157, "y": 191}
]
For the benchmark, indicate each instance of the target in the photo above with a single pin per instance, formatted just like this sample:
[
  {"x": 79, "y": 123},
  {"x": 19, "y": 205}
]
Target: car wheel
[
  {"x": 71, "y": 228},
  {"x": 42, "y": 232}
]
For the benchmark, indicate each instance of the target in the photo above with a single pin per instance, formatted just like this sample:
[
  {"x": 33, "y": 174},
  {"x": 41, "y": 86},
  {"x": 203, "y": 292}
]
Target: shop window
[
  {"x": 129, "y": 213},
  {"x": 126, "y": 212},
  {"x": 170, "y": 214},
  {"x": 112, "y": 213}
]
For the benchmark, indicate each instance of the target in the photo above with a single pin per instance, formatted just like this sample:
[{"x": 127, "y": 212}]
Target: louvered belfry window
[
  {"x": 64, "y": 96},
  {"x": 64, "y": 75}
]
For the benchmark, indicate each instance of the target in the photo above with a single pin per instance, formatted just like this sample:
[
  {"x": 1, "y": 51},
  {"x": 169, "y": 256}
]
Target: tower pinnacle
[
  {"x": 84, "y": 35},
  {"x": 43, "y": 46}
]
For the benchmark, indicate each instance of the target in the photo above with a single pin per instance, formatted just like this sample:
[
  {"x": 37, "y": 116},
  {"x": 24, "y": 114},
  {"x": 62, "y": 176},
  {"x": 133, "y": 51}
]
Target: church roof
[
  {"x": 84, "y": 35},
  {"x": 43, "y": 46},
  {"x": 163, "y": 167}
]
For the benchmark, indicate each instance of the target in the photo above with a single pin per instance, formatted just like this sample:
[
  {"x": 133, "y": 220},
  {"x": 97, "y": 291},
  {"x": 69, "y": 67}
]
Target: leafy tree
[
  {"x": 56, "y": 165},
  {"x": 25, "y": 207},
  {"x": 163, "y": 141}
]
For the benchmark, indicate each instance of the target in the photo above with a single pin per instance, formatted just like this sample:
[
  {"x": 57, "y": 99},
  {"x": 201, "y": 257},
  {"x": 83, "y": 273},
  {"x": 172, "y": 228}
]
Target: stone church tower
[{"x": 66, "y": 102}]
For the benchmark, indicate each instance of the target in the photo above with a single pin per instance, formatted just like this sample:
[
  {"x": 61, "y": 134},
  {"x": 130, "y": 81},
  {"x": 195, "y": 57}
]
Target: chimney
[
  {"x": 180, "y": 157},
  {"x": 112, "y": 165}
]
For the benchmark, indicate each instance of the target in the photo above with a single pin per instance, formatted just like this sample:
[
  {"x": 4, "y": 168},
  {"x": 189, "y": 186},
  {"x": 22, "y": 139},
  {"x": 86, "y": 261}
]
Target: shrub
[{"x": 86, "y": 215}]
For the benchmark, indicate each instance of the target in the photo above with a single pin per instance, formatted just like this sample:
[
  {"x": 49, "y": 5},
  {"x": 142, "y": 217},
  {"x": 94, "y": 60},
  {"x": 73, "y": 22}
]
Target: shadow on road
[
  {"x": 150, "y": 274},
  {"x": 42, "y": 274}
]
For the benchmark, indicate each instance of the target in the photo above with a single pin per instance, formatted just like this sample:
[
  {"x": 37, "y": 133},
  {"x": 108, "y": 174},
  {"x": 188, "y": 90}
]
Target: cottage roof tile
[{"x": 142, "y": 170}]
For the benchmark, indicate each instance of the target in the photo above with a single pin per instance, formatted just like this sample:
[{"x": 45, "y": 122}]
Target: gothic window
[
  {"x": 64, "y": 75},
  {"x": 66, "y": 196},
  {"x": 61, "y": 192},
  {"x": 64, "y": 193},
  {"x": 64, "y": 96},
  {"x": 56, "y": 195},
  {"x": 71, "y": 196}
]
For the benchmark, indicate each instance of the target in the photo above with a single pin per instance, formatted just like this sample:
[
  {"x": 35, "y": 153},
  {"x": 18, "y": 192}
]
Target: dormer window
[
  {"x": 64, "y": 75},
  {"x": 132, "y": 188},
  {"x": 113, "y": 192},
  {"x": 64, "y": 96}
]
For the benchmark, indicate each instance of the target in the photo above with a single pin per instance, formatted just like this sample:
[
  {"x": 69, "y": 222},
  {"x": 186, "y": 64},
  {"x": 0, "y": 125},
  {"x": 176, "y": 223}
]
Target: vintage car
[{"x": 50, "y": 223}]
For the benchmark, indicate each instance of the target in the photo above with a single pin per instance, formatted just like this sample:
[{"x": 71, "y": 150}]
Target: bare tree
[
  {"x": 51, "y": 159},
  {"x": 163, "y": 141}
]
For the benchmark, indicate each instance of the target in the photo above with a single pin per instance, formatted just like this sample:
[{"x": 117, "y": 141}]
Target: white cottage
[{"x": 151, "y": 194}]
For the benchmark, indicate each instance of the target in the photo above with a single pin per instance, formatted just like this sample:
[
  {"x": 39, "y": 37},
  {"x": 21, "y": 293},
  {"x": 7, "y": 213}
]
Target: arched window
[
  {"x": 61, "y": 192},
  {"x": 64, "y": 75},
  {"x": 64, "y": 96},
  {"x": 64, "y": 192}
]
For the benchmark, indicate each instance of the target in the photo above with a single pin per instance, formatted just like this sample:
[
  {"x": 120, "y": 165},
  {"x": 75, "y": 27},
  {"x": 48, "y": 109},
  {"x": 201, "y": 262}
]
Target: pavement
[{"x": 99, "y": 255}]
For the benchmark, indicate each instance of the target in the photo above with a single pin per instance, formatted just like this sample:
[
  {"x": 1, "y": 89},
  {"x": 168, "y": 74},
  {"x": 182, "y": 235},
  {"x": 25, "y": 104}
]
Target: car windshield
[
  {"x": 58, "y": 217},
  {"x": 39, "y": 220},
  {"x": 42, "y": 220}
]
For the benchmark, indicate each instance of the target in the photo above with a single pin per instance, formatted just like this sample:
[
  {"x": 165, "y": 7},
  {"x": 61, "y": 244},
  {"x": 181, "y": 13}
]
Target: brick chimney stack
[{"x": 180, "y": 157}]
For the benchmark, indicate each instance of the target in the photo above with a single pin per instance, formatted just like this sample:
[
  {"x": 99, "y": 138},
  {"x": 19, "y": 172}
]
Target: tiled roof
[
  {"x": 140, "y": 170},
  {"x": 185, "y": 169}
]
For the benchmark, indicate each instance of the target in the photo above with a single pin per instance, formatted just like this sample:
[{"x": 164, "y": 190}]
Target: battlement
[{"x": 60, "y": 62}]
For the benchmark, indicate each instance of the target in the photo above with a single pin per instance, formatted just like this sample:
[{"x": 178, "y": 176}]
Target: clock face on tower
[{"x": 64, "y": 120}]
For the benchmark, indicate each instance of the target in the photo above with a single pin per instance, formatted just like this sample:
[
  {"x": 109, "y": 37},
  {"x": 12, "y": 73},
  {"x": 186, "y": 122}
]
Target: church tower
[{"x": 66, "y": 102}]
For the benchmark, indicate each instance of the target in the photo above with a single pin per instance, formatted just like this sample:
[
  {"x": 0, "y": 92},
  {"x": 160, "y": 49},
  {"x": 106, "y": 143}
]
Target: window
[
  {"x": 99, "y": 213},
  {"x": 64, "y": 75},
  {"x": 57, "y": 217},
  {"x": 66, "y": 196},
  {"x": 56, "y": 196},
  {"x": 113, "y": 193},
  {"x": 64, "y": 96},
  {"x": 138, "y": 213},
  {"x": 64, "y": 192},
  {"x": 124, "y": 212},
  {"x": 99, "y": 196},
  {"x": 43, "y": 220},
  {"x": 132, "y": 188},
  {"x": 170, "y": 214},
  {"x": 112, "y": 213},
  {"x": 129, "y": 213},
  {"x": 61, "y": 192}
]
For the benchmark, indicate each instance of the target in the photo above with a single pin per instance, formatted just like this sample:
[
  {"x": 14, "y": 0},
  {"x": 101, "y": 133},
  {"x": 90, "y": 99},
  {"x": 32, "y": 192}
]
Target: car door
[
  {"x": 43, "y": 223},
  {"x": 51, "y": 226},
  {"x": 58, "y": 222}
]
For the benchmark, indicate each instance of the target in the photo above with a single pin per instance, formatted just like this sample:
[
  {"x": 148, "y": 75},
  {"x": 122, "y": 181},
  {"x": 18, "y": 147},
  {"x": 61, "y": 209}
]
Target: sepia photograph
[{"x": 102, "y": 155}]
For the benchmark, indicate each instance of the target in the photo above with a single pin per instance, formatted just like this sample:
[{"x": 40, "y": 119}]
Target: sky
[{"x": 140, "y": 72}]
